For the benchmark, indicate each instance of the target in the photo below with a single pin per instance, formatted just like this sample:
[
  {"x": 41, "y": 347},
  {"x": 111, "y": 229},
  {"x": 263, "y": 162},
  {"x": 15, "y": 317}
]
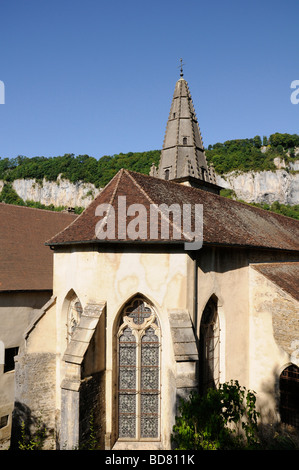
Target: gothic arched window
[
  {"x": 209, "y": 347},
  {"x": 74, "y": 316},
  {"x": 138, "y": 372},
  {"x": 289, "y": 392}
]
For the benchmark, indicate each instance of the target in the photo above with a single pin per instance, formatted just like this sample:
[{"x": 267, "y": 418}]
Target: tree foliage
[
  {"x": 248, "y": 154},
  {"x": 255, "y": 154},
  {"x": 222, "y": 419},
  {"x": 76, "y": 168}
]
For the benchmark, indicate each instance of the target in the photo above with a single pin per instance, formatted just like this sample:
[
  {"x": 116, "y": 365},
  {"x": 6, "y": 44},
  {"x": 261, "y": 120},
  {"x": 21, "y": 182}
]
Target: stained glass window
[
  {"x": 289, "y": 392},
  {"x": 138, "y": 372}
]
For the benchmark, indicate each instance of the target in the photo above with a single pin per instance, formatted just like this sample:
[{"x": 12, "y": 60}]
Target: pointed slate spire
[{"x": 183, "y": 152}]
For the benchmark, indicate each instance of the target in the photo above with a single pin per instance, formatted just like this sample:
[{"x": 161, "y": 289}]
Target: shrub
[{"x": 222, "y": 419}]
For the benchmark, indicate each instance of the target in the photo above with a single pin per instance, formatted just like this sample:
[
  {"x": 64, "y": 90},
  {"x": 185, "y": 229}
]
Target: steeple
[{"x": 183, "y": 156}]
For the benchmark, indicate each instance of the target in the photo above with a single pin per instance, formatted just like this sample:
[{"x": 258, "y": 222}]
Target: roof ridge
[
  {"x": 76, "y": 219},
  {"x": 157, "y": 205}
]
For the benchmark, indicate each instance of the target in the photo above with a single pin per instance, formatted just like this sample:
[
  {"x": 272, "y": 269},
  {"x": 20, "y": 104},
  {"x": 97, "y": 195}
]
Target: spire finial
[{"x": 181, "y": 74}]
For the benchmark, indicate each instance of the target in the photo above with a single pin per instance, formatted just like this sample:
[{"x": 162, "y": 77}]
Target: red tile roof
[
  {"x": 25, "y": 262},
  {"x": 225, "y": 222},
  {"x": 285, "y": 275}
]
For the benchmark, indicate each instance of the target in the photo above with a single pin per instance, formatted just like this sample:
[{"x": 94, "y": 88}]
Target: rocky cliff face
[
  {"x": 263, "y": 187},
  {"x": 59, "y": 193},
  {"x": 281, "y": 185}
]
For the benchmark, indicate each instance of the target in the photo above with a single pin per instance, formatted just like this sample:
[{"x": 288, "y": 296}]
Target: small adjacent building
[{"x": 26, "y": 280}]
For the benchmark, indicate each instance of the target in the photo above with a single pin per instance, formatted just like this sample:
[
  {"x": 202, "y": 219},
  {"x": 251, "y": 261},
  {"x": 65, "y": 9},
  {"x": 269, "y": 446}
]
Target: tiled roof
[
  {"x": 25, "y": 262},
  {"x": 285, "y": 275},
  {"x": 225, "y": 222}
]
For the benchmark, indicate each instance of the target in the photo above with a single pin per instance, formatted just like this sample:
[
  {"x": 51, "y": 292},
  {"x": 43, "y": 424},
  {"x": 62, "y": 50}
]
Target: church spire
[{"x": 183, "y": 153}]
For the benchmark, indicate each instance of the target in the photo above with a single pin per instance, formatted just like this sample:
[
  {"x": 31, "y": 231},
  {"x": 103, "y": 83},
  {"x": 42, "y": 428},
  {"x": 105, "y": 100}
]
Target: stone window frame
[
  {"x": 138, "y": 331},
  {"x": 4, "y": 421},
  {"x": 9, "y": 354},
  {"x": 207, "y": 327},
  {"x": 69, "y": 320},
  {"x": 288, "y": 382},
  {"x": 167, "y": 173},
  {"x": 74, "y": 313}
]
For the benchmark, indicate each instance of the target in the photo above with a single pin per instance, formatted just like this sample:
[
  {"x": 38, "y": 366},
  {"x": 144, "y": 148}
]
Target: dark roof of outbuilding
[
  {"x": 25, "y": 262},
  {"x": 225, "y": 222}
]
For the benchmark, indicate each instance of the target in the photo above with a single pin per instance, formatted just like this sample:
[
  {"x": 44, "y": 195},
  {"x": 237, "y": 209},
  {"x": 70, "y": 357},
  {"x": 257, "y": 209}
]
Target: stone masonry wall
[
  {"x": 35, "y": 384},
  {"x": 92, "y": 410}
]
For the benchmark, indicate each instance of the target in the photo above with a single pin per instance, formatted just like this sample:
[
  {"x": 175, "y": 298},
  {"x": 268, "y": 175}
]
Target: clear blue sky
[{"x": 97, "y": 77}]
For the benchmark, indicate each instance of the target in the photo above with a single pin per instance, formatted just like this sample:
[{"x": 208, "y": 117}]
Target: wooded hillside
[{"x": 253, "y": 154}]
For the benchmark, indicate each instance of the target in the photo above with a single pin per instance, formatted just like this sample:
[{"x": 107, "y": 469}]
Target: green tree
[
  {"x": 223, "y": 419},
  {"x": 257, "y": 141},
  {"x": 9, "y": 195}
]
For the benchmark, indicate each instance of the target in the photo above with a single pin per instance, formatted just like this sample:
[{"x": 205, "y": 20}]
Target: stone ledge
[
  {"x": 183, "y": 337},
  {"x": 83, "y": 333}
]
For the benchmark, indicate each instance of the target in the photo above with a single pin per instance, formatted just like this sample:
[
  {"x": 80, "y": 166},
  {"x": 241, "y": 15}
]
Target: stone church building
[{"x": 145, "y": 309}]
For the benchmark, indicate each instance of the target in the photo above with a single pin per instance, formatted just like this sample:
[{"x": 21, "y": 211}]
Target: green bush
[{"x": 222, "y": 419}]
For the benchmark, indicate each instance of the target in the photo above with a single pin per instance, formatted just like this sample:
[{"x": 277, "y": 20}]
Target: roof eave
[{"x": 168, "y": 243}]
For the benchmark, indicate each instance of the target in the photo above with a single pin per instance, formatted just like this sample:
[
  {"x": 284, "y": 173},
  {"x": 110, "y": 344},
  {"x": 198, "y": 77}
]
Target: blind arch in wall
[{"x": 73, "y": 315}]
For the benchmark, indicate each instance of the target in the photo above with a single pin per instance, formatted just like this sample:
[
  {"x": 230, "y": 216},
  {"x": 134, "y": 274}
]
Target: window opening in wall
[
  {"x": 166, "y": 174},
  {"x": 289, "y": 393},
  {"x": 184, "y": 140},
  {"x": 3, "y": 421},
  {"x": 74, "y": 316},
  {"x": 139, "y": 373},
  {"x": 209, "y": 347},
  {"x": 9, "y": 362}
]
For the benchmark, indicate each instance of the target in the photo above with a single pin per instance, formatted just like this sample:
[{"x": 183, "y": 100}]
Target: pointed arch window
[
  {"x": 289, "y": 392},
  {"x": 74, "y": 316},
  {"x": 139, "y": 372},
  {"x": 209, "y": 373}
]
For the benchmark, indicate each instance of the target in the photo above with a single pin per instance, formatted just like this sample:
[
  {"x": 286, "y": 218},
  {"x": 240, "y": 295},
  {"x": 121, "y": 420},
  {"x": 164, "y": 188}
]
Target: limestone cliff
[
  {"x": 281, "y": 185},
  {"x": 59, "y": 193}
]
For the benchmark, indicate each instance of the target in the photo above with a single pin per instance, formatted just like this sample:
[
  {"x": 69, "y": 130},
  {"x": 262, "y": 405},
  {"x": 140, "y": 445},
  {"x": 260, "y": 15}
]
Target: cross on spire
[{"x": 181, "y": 66}]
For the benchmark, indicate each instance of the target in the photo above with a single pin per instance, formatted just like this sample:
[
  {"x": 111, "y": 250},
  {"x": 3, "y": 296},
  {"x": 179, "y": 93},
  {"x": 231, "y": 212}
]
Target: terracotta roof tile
[
  {"x": 225, "y": 222},
  {"x": 285, "y": 275},
  {"x": 25, "y": 262}
]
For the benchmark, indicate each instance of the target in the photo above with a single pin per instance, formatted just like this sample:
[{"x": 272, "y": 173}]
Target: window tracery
[
  {"x": 74, "y": 316},
  {"x": 138, "y": 372}
]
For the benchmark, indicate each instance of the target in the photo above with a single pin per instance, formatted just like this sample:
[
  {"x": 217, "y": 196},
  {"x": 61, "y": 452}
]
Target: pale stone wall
[
  {"x": 224, "y": 273},
  {"x": 273, "y": 327},
  {"x": 35, "y": 394},
  {"x": 16, "y": 312},
  {"x": 113, "y": 277}
]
